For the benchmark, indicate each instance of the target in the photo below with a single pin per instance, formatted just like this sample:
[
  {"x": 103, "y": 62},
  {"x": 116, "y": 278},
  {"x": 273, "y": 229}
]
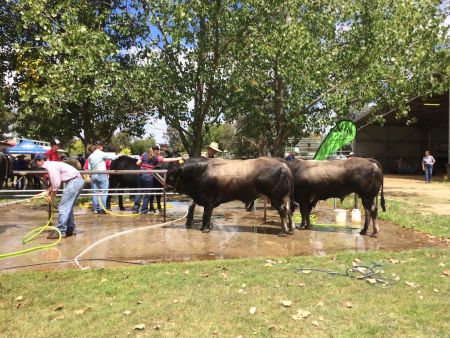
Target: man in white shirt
[{"x": 99, "y": 182}]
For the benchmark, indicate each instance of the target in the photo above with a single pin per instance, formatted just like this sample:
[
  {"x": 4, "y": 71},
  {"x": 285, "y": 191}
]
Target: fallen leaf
[
  {"x": 436, "y": 290},
  {"x": 393, "y": 261},
  {"x": 286, "y": 303},
  {"x": 301, "y": 314},
  {"x": 205, "y": 274},
  {"x": 320, "y": 303},
  {"x": 315, "y": 323},
  {"x": 412, "y": 284},
  {"x": 104, "y": 280},
  {"x": 372, "y": 280},
  {"x": 59, "y": 307},
  {"x": 301, "y": 284},
  {"x": 306, "y": 271},
  {"x": 269, "y": 265},
  {"x": 244, "y": 286},
  {"x": 139, "y": 327},
  {"x": 58, "y": 318},
  {"x": 252, "y": 310},
  {"x": 78, "y": 312},
  {"x": 19, "y": 298},
  {"x": 224, "y": 275},
  {"x": 175, "y": 301},
  {"x": 140, "y": 302},
  {"x": 446, "y": 272},
  {"x": 157, "y": 327},
  {"x": 186, "y": 272},
  {"x": 356, "y": 260},
  {"x": 18, "y": 305},
  {"x": 441, "y": 264},
  {"x": 321, "y": 318},
  {"x": 127, "y": 312},
  {"x": 241, "y": 291},
  {"x": 397, "y": 278},
  {"x": 349, "y": 305}
]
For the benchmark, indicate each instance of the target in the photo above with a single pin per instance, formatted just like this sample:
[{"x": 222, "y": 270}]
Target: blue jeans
[
  {"x": 99, "y": 185},
  {"x": 70, "y": 193},
  {"x": 428, "y": 173},
  {"x": 143, "y": 181}
]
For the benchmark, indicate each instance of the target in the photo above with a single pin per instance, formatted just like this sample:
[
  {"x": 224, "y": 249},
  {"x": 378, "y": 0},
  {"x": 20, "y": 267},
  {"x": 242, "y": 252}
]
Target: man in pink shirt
[{"x": 60, "y": 172}]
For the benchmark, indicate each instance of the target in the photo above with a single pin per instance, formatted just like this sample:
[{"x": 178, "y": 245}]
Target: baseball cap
[
  {"x": 98, "y": 143},
  {"x": 156, "y": 147},
  {"x": 38, "y": 157},
  {"x": 55, "y": 142}
]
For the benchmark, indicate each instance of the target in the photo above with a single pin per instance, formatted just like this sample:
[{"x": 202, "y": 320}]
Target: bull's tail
[{"x": 383, "y": 204}]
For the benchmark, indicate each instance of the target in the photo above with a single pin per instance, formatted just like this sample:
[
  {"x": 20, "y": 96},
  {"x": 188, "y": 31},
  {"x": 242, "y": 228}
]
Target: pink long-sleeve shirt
[{"x": 59, "y": 172}]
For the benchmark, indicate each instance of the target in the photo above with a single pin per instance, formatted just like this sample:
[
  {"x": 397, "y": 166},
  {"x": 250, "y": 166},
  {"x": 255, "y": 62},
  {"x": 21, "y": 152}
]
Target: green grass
[
  {"x": 405, "y": 216},
  {"x": 203, "y": 299}
]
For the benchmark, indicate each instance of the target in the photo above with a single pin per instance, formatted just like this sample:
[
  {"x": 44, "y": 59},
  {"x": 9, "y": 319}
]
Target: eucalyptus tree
[
  {"x": 186, "y": 56},
  {"x": 72, "y": 73},
  {"x": 307, "y": 63}
]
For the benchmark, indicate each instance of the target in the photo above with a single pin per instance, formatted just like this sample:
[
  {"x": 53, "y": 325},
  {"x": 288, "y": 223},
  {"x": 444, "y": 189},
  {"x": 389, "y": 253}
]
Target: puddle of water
[{"x": 236, "y": 234}]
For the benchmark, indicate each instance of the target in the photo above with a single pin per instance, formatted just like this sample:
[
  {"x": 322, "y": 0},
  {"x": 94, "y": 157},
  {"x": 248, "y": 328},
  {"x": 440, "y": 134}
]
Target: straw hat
[{"x": 215, "y": 146}]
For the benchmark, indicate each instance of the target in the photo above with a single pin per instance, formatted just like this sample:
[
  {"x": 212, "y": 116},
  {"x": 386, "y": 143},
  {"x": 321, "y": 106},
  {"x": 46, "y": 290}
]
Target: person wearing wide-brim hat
[{"x": 212, "y": 149}]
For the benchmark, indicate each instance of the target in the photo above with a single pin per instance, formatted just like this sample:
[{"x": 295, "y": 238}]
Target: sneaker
[
  {"x": 70, "y": 232},
  {"x": 54, "y": 234},
  {"x": 135, "y": 211},
  {"x": 153, "y": 210}
]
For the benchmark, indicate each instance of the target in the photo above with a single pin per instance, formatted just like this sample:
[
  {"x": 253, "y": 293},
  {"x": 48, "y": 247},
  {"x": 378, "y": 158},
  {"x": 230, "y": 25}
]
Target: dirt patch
[{"x": 432, "y": 198}]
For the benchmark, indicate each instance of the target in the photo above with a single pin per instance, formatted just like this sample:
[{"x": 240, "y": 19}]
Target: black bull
[
  {"x": 127, "y": 180},
  {"x": 6, "y": 169},
  {"x": 211, "y": 182},
  {"x": 320, "y": 180}
]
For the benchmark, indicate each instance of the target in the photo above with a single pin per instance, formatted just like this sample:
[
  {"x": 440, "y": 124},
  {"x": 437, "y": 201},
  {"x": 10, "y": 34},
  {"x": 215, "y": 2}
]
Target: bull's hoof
[
  {"x": 122, "y": 209},
  {"x": 374, "y": 235},
  {"x": 188, "y": 225},
  {"x": 282, "y": 234},
  {"x": 290, "y": 231},
  {"x": 205, "y": 231},
  {"x": 363, "y": 232}
]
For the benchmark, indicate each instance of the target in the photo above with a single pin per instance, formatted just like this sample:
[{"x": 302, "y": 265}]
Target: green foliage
[
  {"x": 306, "y": 63},
  {"x": 71, "y": 79},
  {"x": 225, "y": 135},
  {"x": 139, "y": 147},
  {"x": 76, "y": 148},
  {"x": 120, "y": 141}
]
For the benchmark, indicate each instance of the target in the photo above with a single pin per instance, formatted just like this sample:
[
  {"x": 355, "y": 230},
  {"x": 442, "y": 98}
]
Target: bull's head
[{"x": 173, "y": 175}]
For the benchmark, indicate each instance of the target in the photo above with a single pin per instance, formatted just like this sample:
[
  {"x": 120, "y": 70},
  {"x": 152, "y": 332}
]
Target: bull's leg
[
  {"x": 367, "y": 204},
  {"x": 281, "y": 208},
  {"x": 120, "y": 198},
  {"x": 303, "y": 212},
  {"x": 287, "y": 206},
  {"x": 190, "y": 215},
  {"x": 308, "y": 216},
  {"x": 108, "y": 201},
  {"x": 206, "y": 223},
  {"x": 374, "y": 216}
]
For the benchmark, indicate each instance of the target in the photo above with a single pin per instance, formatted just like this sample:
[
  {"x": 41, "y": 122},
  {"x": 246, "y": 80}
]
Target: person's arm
[
  {"x": 423, "y": 163},
  {"x": 434, "y": 161},
  {"x": 139, "y": 162},
  {"x": 172, "y": 159}
]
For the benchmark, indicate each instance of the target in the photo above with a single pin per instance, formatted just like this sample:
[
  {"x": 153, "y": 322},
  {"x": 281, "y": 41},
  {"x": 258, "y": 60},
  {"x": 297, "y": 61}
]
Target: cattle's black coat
[
  {"x": 6, "y": 169},
  {"x": 125, "y": 180},
  {"x": 320, "y": 180},
  {"x": 211, "y": 182}
]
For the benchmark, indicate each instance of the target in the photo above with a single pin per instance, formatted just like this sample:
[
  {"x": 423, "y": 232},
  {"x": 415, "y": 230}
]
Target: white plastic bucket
[
  {"x": 341, "y": 215},
  {"x": 356, "y": 216}
]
